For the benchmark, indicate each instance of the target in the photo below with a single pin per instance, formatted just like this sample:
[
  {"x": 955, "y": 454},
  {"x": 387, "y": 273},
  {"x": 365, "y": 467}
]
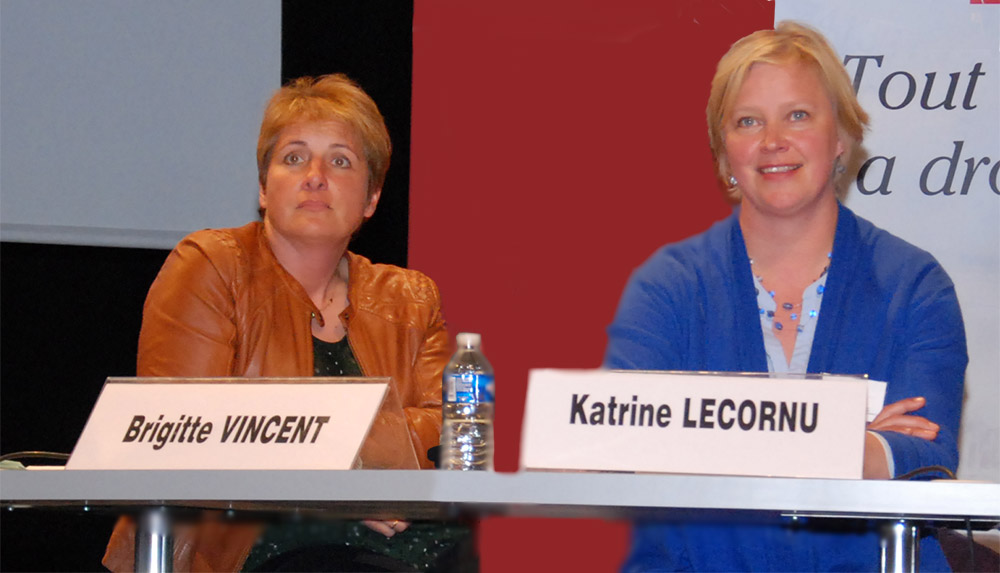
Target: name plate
[
  {"x": 694, "y": 423},
  {"x": 228, "y": 423}
]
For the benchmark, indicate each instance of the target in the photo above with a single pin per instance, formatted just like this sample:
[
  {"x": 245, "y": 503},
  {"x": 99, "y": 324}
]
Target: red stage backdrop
[{"x": 555, "y": 146}]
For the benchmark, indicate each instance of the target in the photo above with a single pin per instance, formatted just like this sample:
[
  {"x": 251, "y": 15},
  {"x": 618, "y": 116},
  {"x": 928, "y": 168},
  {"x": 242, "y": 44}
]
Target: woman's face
[
  {"x": 317, "y": 184},
  {"x": 782, "y": 139}
]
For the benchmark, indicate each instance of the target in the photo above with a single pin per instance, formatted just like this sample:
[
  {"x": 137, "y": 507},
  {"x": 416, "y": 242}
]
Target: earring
[
  {"x": 839, "y": 168},
  {"x": 732, "y": 181}
]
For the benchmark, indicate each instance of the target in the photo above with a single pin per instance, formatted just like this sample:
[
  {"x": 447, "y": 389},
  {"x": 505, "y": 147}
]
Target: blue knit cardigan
[{"x": 889, "y": 311}]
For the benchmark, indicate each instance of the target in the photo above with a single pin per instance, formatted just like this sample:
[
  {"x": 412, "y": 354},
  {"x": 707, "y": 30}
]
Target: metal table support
[
  {"x": 154, "y": 543},
  {"x": 901, "y": 546}
]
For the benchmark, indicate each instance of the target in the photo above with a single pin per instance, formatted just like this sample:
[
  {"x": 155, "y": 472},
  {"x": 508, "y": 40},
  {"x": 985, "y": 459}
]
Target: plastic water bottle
[{"x": 467, "y": 401}]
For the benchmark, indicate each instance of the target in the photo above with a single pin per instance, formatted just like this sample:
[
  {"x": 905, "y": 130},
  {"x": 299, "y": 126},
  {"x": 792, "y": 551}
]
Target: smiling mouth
[{"x": 779, "y": 169}]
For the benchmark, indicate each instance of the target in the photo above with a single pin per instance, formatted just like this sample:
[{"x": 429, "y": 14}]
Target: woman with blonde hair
[{"x": 794, "y": 282}]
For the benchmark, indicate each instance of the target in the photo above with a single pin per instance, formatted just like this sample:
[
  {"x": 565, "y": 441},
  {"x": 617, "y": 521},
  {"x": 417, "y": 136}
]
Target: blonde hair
[
  {"x": 788, "y": 42},
  {"x": 327, "y": 98}
]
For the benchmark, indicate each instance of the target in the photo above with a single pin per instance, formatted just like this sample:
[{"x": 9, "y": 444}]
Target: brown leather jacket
[{"x": 222, "y": 305}]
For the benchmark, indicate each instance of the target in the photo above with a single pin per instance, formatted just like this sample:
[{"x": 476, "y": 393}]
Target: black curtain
[{"x": 371, "y": 42}]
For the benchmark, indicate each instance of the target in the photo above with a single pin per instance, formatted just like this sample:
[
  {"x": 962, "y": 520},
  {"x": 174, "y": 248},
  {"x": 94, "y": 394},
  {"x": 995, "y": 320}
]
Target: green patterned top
[{"x": 422, "y": 546}]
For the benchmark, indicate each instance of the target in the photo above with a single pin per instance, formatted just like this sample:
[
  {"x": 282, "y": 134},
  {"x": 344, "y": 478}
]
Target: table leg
[
  {"x": 900, "y": 547},
  {"x": 154, "y": 542}
]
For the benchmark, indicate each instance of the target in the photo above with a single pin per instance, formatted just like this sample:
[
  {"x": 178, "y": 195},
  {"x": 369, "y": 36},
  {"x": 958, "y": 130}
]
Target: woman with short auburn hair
[
  {"x": 284, "y": 297},
  {"x": 328, "y": 98}
]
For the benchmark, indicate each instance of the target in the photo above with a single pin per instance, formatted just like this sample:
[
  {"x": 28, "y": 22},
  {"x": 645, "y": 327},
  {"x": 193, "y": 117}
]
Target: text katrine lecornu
[
  {"x": 699, "y": 413},
  {"x": 237, "y": 429}
]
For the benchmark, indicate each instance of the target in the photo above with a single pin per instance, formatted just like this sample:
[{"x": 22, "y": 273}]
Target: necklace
[
  {"x": 340, "y": 272},
  {"x": 789, "y": 313},
  {"x": 330, "y": 299},
  {"x": 323, "y": 308}
]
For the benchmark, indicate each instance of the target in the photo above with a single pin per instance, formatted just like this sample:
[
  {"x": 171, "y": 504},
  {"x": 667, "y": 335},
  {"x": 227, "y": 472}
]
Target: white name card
[
  {"x": 234, "y": 423},
  {"x": 694, "y": 423},
  {"x": 876, "y": 393}
]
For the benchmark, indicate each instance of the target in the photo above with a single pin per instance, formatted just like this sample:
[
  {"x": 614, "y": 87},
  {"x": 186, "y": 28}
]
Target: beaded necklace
[{"x": 790, "y": 312}]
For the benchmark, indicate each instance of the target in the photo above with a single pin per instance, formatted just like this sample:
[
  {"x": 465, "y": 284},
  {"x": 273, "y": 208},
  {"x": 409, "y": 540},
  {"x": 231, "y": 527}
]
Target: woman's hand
[
  {"x": 896, "y": 418},
  {"x": 387, "y": 528}
]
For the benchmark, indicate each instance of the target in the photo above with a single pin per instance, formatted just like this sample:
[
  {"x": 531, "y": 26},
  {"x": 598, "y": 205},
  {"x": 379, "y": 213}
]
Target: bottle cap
[{"x": 468, "y": 340}]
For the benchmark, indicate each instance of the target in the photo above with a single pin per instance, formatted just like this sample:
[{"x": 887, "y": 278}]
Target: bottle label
[{"x": 469, "y": 388}]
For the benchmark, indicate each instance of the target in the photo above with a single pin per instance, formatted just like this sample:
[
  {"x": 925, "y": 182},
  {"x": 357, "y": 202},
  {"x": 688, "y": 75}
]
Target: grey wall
[{"x": 103, "y": 112}]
